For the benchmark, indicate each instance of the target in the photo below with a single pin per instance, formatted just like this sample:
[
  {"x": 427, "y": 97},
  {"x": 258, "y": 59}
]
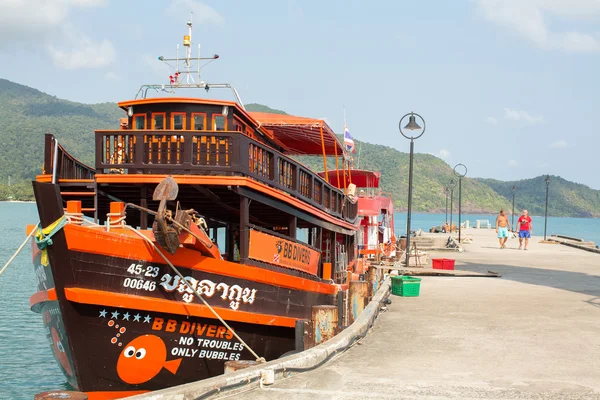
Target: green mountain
[
  {"x": 565, "y": 198},
  {"x": 27, "y": 114}
]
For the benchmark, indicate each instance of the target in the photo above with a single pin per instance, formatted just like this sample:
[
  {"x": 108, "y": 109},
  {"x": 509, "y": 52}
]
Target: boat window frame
[
  {"x": 183, "y": 126},
  {"x": 213, "y": 124},
  {"x": 193, "y": 121},
  {"x": 164, "y": 114},
  {"x": 133, "y": 120}
]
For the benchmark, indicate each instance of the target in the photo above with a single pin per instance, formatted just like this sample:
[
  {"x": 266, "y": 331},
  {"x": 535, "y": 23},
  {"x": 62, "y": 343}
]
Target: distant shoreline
[{"x": 17, "y": 201}]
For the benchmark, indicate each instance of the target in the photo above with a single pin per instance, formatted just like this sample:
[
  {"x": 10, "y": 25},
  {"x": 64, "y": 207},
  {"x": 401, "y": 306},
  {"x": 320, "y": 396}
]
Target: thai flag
[{"x": 348, "y": 140}]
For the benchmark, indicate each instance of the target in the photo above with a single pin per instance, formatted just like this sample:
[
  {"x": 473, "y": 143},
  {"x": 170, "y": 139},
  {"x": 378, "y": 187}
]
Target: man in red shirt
[{"x": 525, "y": 226}]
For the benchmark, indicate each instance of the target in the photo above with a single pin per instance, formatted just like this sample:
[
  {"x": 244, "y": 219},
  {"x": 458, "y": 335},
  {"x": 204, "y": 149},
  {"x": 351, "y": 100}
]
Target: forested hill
[{"x": 27, "y": 114}]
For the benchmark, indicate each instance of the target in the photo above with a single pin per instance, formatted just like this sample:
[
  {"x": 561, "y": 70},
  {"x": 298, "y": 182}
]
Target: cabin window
[
  {"x": 158, "y": 121},
  {"x": 178, "y": 121},
  {"x": 219, "y": 123},
  {"x": 139, "y": 121},
  {"x": 199, "y": 121}
]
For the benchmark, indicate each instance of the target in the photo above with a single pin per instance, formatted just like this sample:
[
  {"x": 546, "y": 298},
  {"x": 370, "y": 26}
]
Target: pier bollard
[
  {"x": 358, "y": 294},
  {"x": 232, "y": 366},
  {"x": 60, "y": 394},
  {"x": 323, "y": 325}
]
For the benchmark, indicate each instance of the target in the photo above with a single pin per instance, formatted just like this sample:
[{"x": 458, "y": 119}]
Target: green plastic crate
[{"x": 406, "y": 286}]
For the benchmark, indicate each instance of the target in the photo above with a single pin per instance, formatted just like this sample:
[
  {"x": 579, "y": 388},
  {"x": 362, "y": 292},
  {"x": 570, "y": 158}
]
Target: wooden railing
[
  {"x": 209, "y": 153},
  {"x": 67, "y": 166}
]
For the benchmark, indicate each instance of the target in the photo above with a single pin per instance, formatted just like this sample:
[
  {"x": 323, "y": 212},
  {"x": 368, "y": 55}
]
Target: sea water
[{"x": 27, "y": 365}]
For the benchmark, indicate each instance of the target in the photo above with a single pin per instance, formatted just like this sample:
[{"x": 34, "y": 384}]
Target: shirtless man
[{"x": 502, "y": 226}]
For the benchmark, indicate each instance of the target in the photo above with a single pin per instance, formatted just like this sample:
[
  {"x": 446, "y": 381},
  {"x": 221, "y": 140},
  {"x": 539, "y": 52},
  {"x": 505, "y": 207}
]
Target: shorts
[
  {"x": 502, "y": 233},
  {"x": 525, "y": 234}
]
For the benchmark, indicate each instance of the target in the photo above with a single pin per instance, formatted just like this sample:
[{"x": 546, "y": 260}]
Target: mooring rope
[
  {"x": 259, "y": 359},
  {"x": 33, "y": 231}
]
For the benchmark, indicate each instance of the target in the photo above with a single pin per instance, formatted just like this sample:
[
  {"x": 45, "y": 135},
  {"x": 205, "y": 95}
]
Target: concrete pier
[{"x": 534, "y": 333}]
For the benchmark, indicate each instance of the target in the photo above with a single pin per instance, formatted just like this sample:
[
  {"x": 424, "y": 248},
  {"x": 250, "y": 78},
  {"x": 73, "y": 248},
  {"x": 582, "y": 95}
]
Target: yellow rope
[{"x": 43, "y": 237}]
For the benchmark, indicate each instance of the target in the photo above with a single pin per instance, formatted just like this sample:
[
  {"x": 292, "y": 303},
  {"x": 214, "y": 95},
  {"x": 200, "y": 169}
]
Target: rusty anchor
[{"x": 166, "y": 235}]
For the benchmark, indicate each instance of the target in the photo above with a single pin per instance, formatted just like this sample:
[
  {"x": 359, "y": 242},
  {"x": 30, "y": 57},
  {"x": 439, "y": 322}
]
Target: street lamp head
[
  {"x": 412, "y": 123},
  {"x": 414, "y": 130},
  {"x": 547, "y": 180},
  {"x": 460, "y": 170},
  {"x": 513, "y": 188}
]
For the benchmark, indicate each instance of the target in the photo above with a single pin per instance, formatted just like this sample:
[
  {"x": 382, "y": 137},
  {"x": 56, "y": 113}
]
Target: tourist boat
[
  {"x": 375, "y": 237},
  {"x": 195, "y": 239}
]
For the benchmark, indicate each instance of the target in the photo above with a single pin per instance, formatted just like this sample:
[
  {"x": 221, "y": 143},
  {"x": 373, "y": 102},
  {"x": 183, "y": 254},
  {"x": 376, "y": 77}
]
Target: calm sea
[{"x": 27, "y": 366}]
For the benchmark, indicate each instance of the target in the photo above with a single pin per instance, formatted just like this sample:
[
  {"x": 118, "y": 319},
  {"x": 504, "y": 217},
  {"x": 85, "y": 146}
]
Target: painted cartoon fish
[
  {"x": 59, "y": 350},
  {"x": 143, "y": 358}
]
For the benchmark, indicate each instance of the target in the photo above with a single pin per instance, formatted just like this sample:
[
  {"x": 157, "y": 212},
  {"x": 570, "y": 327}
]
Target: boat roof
[
  {"x": 296, "y": 135},
  {"x": 360, "y": 177},
  {"x": 300, "y": 135}
]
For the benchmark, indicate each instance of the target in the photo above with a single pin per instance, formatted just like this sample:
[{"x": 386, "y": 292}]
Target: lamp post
[
  {"x": 512, "y": 224},
  {"x": 547, "y": 180},
  {"x": 415, "y": 132},
  {"x": 451, "y": 185},
  {"x": 460, "y": 170},
  {"x": 446, "y": 192}
]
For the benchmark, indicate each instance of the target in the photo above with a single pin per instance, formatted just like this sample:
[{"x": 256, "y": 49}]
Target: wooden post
[
  {"x": 118, "y": 209},
  {"x": 358, "y": 293},
  {"x": 302, "y": 333},
  {"x": 244, "y": 234},
  {"x": 292, "y": 227}
]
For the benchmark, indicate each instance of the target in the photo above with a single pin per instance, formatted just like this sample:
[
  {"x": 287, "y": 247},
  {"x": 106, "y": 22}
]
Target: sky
[{"x": 506, "y": 87}]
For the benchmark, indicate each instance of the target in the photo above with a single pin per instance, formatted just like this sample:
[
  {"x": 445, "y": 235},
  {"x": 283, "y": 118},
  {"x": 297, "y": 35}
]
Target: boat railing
[
  {"x": 216, "y": 153},
  {"x": 61, "y": 164}
]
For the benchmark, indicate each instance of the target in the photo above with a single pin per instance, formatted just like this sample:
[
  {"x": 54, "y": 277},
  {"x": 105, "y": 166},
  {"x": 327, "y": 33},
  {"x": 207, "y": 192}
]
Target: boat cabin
[{"x": 232, "y": 166}]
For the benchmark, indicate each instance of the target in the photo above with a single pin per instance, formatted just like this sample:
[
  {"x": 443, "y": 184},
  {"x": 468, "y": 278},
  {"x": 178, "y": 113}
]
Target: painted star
[
  {"x": 126, "y": 316},
  {"x": 147, "y": 319},
  {"x": 115, "y": 314},
  {"x": 137, "y": 317},
  {"x": 102, "y": 314}
]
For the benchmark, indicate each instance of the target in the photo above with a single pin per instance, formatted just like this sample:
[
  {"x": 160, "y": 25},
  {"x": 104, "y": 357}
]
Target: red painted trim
[
  {"x": 46, "y": 295},
  {"x": 114, "y": 395},
  {"x": 120, "y": 300}
]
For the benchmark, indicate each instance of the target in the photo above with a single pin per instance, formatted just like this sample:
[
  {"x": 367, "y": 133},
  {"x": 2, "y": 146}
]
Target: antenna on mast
[{"x": 176, "y": 81}]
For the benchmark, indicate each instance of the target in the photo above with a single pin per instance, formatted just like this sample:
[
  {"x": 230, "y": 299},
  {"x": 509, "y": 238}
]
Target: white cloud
[
  {"x": 513, "y": 163},
  {"x": 559, "y": 144},
  {"x": 111, "y": 76},
  {"x": 491, "y": 120},
  {"x": 23, "y": 20},
  {"x": 45, "y": 24},
  {"x": 444, "y": 154},
  {"x": 529, "y": 19},
  {"x": 202, "y": 12},
  {"x": 516, "y": 115}
]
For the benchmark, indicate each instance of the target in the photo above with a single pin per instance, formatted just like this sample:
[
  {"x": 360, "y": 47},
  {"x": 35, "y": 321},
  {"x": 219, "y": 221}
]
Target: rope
[
  {"x": 259, "y": 359},
  {"x": 19, "y": 249},
  {"x": 43, "y": 237}
]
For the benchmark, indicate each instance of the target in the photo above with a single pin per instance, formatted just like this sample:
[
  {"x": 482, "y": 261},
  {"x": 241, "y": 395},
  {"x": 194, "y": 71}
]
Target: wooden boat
[{"x": 195, "y": 239}]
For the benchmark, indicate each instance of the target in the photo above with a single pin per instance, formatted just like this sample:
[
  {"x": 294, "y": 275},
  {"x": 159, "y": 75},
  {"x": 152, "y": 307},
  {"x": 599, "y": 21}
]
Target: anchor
[{"x": 166, "y": 234}]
